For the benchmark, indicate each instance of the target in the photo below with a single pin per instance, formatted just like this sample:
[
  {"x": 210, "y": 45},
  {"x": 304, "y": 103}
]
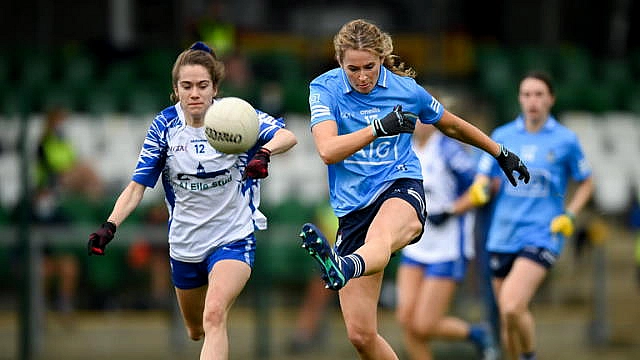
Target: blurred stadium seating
[{"x": 597, "y": 98}]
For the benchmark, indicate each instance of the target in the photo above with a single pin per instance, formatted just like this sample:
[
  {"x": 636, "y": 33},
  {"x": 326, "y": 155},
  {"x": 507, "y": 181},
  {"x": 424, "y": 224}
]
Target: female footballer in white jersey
[
  {"x": 212, "y": 199},
  {"x": 430, "y": 270},
  {"x": 362, "y": 117}
]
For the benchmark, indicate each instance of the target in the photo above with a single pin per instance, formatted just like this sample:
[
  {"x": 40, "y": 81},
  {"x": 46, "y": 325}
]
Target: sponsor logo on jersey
[
  {"x": 220, "y": 178},
  {"x": 374, "y": 110},
  {"x": 198, "y": 186},
  {"x": 203, "y": 174},
  {"x": 178, "y": 148}
]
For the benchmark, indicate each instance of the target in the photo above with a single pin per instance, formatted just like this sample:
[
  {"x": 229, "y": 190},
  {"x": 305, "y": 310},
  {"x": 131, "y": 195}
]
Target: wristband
[{"x": 110, "y": 225}]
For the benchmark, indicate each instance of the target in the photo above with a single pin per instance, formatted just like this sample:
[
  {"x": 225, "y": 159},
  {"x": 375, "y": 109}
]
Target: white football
[{"x": 231, "y": 125}]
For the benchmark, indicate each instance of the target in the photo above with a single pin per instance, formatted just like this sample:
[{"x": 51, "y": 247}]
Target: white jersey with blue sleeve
[
  {"x": 448, "y": 169},
  {"x": 357, "y": 181},
  {"x": 209, "y": 204},
  {"x": 522, "y": 214}
]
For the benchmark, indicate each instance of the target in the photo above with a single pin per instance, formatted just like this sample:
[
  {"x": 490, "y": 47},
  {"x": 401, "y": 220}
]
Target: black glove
[
  {"x": 258, "y": 167},
  {"x": 99, "y": 239},
  {"x": 510, "y": 162},
  {"x": 439, "y": 218},
  {"x": 395, "y": 122}
]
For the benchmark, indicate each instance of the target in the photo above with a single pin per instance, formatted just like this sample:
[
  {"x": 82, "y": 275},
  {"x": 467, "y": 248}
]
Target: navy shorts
[
  {"x": 353, "y": 227},
  {"x": 501, "y": 263},
  {"x": 193, "y": 275}
]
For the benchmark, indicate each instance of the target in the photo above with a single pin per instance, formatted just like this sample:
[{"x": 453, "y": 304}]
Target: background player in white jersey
[
  {"x": 529, "y": 224},
  {"x": 430, "y": 270},
  {"x": 211, "y": 198},
  {"x": 362, "y": 117}
]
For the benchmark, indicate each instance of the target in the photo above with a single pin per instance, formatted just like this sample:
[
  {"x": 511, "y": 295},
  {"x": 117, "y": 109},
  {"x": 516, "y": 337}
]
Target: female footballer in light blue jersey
[
  {"x": 362, "y": 117},
  {"x": 212, "y": 199},
  {"x": 530, "y": 223}
]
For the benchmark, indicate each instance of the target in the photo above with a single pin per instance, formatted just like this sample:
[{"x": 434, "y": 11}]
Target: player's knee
[
  {"x": 422, "y": 329},
  {"x": 213, "y": 317},
  {"x": 361, "y": 339},
  {"x": 511, "y": 311}
]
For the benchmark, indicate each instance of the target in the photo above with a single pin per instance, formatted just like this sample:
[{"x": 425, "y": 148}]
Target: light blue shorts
[{"x": 454, "y": 270}]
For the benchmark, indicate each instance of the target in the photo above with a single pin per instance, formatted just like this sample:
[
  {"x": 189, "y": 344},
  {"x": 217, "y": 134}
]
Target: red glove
[
  {"x": 99, "y": 239},
  {"x": 258, "y": 167}
]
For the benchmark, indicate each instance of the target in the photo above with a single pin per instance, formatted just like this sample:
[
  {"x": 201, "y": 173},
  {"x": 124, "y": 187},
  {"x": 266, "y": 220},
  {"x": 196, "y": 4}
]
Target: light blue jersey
[
  {"x": 356, "y": 181},
  {"x": 209, "y": 203},
  {"x": 522, "y": 214}
]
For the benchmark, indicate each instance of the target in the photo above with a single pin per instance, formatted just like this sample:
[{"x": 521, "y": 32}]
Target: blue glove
[{"x": 394, "y": 123}]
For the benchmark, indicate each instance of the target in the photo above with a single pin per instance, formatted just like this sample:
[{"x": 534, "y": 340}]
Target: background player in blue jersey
[
  {"x": 430, "y": 270},
  {"x": 530, "y": 223},
  {"x": 212, "y": 199},
  {"x": 362, "y": 117}
]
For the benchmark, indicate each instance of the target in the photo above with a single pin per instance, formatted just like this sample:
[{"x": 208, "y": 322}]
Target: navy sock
[
  {"x": 352, "y": 266},
  {"x": 476, "y": 335},
  {"x": 528, "y": 356}
]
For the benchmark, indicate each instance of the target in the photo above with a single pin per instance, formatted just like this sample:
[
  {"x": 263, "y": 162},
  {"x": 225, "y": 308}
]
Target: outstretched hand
[{"x": 510, "y": 162}]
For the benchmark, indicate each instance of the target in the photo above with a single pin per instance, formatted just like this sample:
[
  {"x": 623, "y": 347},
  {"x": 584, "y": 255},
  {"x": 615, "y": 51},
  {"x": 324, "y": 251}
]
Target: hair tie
[{"x": 199, "y": 45}]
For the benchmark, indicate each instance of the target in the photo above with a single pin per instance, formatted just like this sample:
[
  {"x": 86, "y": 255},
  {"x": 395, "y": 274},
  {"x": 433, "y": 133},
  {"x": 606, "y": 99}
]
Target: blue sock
[
  {"x": 352, "y": 266},
  {"x": 476, "y": 335}
]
